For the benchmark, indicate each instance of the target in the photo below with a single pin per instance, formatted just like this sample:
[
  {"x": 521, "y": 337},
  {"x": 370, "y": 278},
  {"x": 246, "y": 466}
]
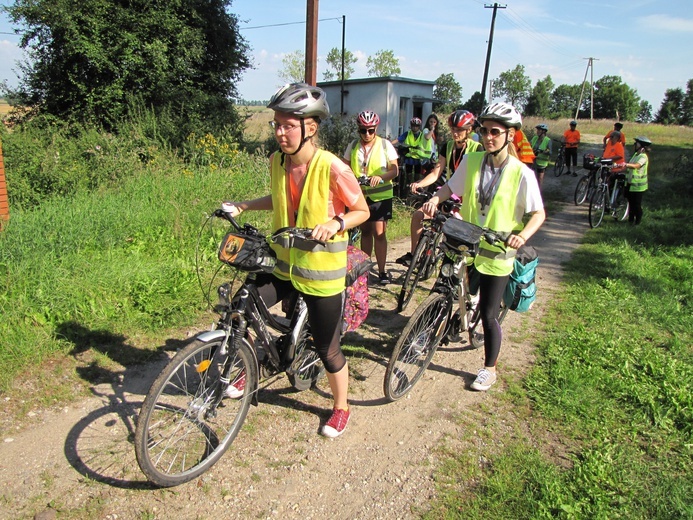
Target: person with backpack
[
  {"x": 541, "y": 146},
  {"x": 460, "y": 124},
  {"x": 311, "y": 188},
  {"x": 376, "y": 159},
  {"x": 497, "y": 190}
]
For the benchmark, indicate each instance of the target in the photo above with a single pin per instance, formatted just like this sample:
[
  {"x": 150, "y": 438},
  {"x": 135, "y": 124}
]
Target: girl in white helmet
[{"x": 497, "y": 190}]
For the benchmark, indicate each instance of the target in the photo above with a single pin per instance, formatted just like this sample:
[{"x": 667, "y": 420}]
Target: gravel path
[{"x": 78, "y": 462}]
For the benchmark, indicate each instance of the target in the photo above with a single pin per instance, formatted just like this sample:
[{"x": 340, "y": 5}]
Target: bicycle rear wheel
[
  {"x": 621, "y": 206},
  {"x": 581, "y": 190},
  {"x": 416, "y": 346},
  {"x": 476, "y": 329},
  {"x": 306, "y": 369},
  {"x": 184, "y": 427},
  {"x": 597, "y": 207},
  {"x": 417, "y": 267}
]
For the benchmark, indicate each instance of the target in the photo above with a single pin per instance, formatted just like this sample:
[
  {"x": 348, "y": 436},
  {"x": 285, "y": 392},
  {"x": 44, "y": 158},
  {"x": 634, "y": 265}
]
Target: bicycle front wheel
[
  {"x": 597, "y": 207},
  {"x": 581, "y": 190},
  {"x": 184, "y": 427},
  {"x": 416, "y": 346},
  {"x": 417, "y": 267},
  {"x": 558, "y": 165}
]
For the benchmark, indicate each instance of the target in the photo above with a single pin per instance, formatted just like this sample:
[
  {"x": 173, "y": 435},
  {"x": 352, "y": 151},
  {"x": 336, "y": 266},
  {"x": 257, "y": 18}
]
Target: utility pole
[
  {"x": 590, "y": 67},
  {"x": 311, "y": 41},
  {"x": 341, "y": 108},
  {"x": 495, "y": 7}
]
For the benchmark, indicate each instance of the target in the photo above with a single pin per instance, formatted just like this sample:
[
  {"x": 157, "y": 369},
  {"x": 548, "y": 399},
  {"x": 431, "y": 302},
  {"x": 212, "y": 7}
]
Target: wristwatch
[{"x": 341, "y": 222}]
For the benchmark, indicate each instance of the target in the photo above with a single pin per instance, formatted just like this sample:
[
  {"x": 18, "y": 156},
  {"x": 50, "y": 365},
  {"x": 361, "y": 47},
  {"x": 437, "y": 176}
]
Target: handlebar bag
[
  {"x": 521, "y": 291},
  {"x": 461, "y": 234},
  {"x": 247, "y": 253}
]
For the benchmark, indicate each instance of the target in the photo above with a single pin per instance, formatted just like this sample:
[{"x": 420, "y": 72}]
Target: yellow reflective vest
[
  {"x": 419, "y": 147},
  {"x": 500, "y": 217},
  {"x": 377, "y": 165},
  {"x": 313, "y": 269}
]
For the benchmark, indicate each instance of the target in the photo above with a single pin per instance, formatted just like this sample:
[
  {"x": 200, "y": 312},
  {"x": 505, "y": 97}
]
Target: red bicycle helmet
[
  {"x": 368, "y": 118},
  {"x": 461, "y": 119},
  {"x": 415, "y": 121}
]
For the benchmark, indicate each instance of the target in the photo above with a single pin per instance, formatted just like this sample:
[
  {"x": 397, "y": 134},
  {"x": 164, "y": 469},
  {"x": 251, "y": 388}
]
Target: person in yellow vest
[
  {"x": 419, "y": 147},
  {"x": 497, "y": 190},
  {"x": 460, "y": 123},
  {"x": 311, "y": 188},
  {"x": 541, "y": 146},
  {"x": 375, "y": 158},
  {"x": 637, "y": 178}
]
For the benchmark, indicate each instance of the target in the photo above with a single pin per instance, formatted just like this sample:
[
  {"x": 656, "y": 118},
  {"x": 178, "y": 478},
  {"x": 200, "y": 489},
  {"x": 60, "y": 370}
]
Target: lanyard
[
  {"x": 486, "y": 195},
  {"x": 366, "y": 153},
  {"x": 456, "y": 162}
]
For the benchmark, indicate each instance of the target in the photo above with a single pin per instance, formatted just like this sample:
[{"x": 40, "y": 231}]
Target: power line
[{"x": 287, "y": 23}]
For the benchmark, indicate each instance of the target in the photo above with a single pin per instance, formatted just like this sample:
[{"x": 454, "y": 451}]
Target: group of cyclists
[{"x": 313, "y": 188}]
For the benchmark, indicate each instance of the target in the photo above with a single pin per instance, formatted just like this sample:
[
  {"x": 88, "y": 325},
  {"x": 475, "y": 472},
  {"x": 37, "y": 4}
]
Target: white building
[{"x": 396, "y": 100}]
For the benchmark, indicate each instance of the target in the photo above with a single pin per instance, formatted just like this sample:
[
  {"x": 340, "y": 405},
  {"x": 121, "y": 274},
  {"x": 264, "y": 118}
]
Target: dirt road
[{"x": 78, "y": 462}]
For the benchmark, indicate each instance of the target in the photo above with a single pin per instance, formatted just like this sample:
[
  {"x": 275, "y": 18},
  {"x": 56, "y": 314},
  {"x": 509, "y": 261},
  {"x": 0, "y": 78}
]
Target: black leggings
[
  {"x": 491, "y": 290},
  {"x": 324, "y": 317},
  {"x": 634, "y": 206}
]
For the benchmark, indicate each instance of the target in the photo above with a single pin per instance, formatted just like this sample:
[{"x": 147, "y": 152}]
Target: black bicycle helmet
[
  {"x": 302, "y": 100},
  {"x": 618, "y": 126},
  {"x": 573, "y": 123},
  {"x": 502, "y": 113},
  {"x": 542, "y": 126}
]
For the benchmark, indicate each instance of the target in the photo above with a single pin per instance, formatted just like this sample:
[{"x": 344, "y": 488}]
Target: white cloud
[{"x": 663, "y": 22}]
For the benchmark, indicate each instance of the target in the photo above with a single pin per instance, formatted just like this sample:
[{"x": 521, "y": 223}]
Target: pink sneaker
[
  {"x": 337, "y": 423},
  {"x": 236, "y": 389}
]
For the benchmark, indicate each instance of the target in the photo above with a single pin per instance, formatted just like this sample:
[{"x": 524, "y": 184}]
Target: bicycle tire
[
  {"x": 476, "y": 338},
  {"x": 559, "y": 165},
  {"x": 597, "y": 207},
  {"x": 306, "y": 369},
  {"x": 178, "y": 435},
  {"x": 414, "y": 272},
  {"x": 581, "y": 190},
  {"x": 621, "y": 206},
  {"x": 436, "y": 255},
  {"x": 416, "y": 345}
]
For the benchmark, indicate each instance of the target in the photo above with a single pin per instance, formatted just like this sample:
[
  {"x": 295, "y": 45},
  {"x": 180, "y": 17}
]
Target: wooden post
[
  {"x": 4, "y": 204},
  {"x": 311, "y": 41}
]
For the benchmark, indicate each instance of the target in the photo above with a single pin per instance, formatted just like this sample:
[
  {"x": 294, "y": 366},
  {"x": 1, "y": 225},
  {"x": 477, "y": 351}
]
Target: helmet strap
[
  {"x": 304, "y": 139},
  {"x": 507, "y": 141}
]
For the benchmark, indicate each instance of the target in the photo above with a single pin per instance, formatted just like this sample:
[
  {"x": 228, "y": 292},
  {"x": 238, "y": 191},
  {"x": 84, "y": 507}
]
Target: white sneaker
[
  {"x": 484, "y": 380},
  {"x": 236, "y": 389}
]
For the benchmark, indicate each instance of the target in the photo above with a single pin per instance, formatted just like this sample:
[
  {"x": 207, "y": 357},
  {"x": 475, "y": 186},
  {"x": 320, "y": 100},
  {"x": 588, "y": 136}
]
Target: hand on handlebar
[
  {"x": 231, "y": 208},
  {"x": 515, "y": 241}
]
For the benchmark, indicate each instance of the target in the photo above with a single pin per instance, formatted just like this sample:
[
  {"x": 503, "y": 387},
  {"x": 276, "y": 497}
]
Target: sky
[{"x": 648, "y": 43}]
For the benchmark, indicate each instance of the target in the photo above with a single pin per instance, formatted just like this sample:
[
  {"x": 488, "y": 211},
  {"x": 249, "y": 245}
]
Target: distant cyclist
[
  {"x": 571, "y": 139},
  {"x": 541, "y": 146},
  {"x": 618, "y": 127},
  {"x": 419, "y": 146},
  {"x": 637, "y": 178},
  {"x": 375, "y": 158}
]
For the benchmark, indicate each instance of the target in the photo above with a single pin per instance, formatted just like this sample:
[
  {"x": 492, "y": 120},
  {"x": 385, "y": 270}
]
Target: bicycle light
[
  {"x": 224, "y": 292},
  {"x": 447, "y": 270}
]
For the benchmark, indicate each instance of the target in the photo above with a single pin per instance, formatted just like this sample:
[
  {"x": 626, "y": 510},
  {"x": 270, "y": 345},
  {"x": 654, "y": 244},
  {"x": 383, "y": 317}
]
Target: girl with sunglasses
[
  {"x": 376, "y": 159},
  {"x": 497, "y": 190}
]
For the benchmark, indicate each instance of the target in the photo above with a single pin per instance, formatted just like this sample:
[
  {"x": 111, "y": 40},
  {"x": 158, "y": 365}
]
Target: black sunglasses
[{"x": 364, "y": 131}]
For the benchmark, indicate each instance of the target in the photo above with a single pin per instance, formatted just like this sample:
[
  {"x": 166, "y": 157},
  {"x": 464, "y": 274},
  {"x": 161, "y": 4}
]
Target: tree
[
  {"x": 448, "y": 94},
  {"x": 687, "y": 105},
  {"x": 564, "y": 100},
  {"x": 383, "y": 63},
  {"x": 293, "y": 67},
  {"x": 671, "y": 110},
  {"x": 645, "y": 112},
  {"x": 513, "y": 85},
  {"x": 334, "y": 61},
  {"x": 539, "y": 102},
  {"x": 615, "y": 100},
  {"x": 88, "y": 59},
  {"x": 474, "y": 104}
]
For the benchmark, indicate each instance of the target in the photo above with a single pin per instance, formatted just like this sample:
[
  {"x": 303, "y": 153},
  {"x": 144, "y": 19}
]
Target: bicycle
[
  {"x": 559, "y": 165},
  {"x": 435, "y": 321},
  {"x": 427, "y": 254},
  {"x": 198, "y": 403},
  {"x": 604, "y": 199},
  {"x": 587, "y": 184}
]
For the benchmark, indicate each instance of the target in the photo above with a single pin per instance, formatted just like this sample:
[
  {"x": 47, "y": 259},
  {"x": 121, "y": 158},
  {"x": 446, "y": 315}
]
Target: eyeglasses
[
  {"x": 494, "y": 132},
  {"x": 364, "y": 131},
  {"x": 282, "y": 129}
]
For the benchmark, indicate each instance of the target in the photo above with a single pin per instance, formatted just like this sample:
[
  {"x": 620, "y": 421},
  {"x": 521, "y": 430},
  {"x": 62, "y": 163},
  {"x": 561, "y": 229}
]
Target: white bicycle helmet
[
  {"x": 503, "y": 113},
  {"x": 643, "y": 140},
  {"x": 302, "y": 100}
]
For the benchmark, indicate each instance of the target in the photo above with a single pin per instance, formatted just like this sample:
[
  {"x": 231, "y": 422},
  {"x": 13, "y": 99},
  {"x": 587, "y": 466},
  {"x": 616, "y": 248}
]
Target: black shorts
[{"x": 381, "y": 210}]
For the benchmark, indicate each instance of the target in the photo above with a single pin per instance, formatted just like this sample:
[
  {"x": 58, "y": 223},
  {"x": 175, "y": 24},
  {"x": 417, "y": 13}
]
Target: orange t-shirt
[
  {"x": 572, "y": 138},
  {"x": 616, "y": 152}
]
